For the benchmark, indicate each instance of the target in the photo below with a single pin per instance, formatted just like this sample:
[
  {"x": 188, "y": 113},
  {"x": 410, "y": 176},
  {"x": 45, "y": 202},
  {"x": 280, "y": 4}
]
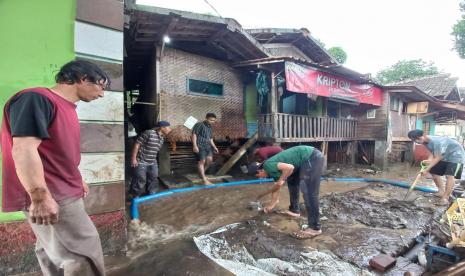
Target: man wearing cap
[
  {"x": 144, "y": 159},
  {"x": 446, "y": 159}
]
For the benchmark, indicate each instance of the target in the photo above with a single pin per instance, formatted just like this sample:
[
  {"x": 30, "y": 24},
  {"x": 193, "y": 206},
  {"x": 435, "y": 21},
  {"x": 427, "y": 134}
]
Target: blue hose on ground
[{"x": 139, "y": 200}]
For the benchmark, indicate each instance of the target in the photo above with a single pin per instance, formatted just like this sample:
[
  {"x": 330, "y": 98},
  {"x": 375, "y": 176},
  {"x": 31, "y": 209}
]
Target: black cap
[
  {"x": 414, "y": 134},
  {"x": 163, "y": 124}
]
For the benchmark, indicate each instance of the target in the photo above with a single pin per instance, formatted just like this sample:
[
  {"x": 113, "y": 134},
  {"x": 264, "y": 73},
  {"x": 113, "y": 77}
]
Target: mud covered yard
[{"x": 359, "y": 221}]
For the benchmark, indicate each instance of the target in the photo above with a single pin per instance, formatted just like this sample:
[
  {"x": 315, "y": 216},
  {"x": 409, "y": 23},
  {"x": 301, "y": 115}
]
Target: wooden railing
[{"x": 299, "y": 128}]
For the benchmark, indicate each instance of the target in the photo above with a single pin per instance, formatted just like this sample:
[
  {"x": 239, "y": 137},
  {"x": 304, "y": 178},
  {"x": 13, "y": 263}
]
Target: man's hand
[
  {"x": 134, "y": 162},
  {"x": 215, "y": 150},
  {"x": 85, "y": 187},
  {"x": 269, "y": 207},
  {"x": 44, "y": 211},
  {"x": 424, "y": 172},
  {"x": 195, "y": 149}
]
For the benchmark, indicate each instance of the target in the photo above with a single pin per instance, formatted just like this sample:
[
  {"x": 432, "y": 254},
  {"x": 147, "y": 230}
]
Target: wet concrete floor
[{"x": 359, "y": 221}]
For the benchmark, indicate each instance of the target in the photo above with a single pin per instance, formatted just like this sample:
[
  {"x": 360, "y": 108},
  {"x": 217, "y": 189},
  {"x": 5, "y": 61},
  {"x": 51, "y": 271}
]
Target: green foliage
[
  {"x": 339, "y": 54},
  {"x": 336, "y": 52},
  {"x": 458, "y": 31},
  {"x": 406, "y": 69}
]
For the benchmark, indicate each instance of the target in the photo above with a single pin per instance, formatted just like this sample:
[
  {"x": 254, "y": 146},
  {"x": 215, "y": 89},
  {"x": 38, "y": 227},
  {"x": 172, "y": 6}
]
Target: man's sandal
[{"x": 303, "y": 235}]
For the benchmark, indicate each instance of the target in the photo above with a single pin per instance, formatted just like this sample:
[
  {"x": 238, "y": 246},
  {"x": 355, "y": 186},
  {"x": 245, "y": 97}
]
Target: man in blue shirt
[{"x": 446, "y": 159}]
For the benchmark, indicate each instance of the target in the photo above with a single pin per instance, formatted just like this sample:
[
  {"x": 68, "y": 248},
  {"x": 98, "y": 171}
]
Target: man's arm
[
  {"x": 194, "y": 143},
  {"x": 286, "y": 171},
  {"x": 215, "y": 149},
  {"x": 135, "y": 150},
  {"x": 30, "y": 171},
  {"x": 431, "y": 163}
]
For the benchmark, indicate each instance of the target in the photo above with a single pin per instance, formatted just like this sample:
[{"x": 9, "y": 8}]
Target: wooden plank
[
  {"x": 311, "y": 122},
  {"x": 103, "y": 167},
  {"x": 108, "y": 108},
  {"x": 114, "y": 71},
  {"x": 102, "y": 137},
  {"x": 105, "y": 198},
  {"x": 108, "y": 13},
  {"x": 231, "y": 161},
  {"x": 317, "y": 127},
  {"x": 284, "y": 118},
  {"x": 98, "y": 41},
  {"x": 274, "y": 103},
  {"x": 294, "y": 126}
]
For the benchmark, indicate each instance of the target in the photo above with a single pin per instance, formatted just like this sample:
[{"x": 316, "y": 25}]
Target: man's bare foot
[
  {"x": 207, "y": 182},
  {"x": 439, "y": 194},
  {"x": 288, "y": 213}
]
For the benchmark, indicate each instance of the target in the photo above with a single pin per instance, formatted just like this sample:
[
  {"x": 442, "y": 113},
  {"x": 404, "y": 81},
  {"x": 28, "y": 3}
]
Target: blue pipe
[
  {"x": 139, "y": 200},
  {"x": 386, "y": 181}
]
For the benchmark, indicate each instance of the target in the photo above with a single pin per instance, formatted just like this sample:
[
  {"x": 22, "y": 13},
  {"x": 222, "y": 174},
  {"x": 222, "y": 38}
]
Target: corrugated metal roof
[{"x": 440, "y": 85}]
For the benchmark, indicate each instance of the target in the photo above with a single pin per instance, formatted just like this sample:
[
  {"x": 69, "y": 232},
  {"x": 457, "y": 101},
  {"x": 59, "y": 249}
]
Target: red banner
[{"x": 302, "y": 79}]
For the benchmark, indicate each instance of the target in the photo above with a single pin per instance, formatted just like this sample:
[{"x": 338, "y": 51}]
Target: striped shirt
[
  {"x": 150, "y": 144},
  {"x": 204, "y": 133}
]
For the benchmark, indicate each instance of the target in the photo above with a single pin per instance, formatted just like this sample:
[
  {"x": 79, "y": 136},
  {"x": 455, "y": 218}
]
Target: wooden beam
[
  {"x": 233, "y": 50},
  {"x": 230, "y": 163},
  {"x": 274, "y": 104}
]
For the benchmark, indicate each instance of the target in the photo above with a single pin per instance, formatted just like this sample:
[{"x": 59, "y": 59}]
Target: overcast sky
[{"x": 375, "y": 34}]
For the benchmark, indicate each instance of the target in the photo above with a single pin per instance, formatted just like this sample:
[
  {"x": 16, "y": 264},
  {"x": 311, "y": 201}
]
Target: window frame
[
  {"x": 374, "y": 113},
  {"x": 203, "y": 94}
]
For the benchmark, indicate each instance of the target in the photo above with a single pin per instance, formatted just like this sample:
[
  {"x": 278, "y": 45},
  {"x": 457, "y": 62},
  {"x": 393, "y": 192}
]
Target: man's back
[{"x": 450, "y": 149}]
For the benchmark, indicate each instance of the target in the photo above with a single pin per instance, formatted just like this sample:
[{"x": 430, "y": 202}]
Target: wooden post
[
  {"x": 274, "y": 104},
  {"x": 324, "y": 150},
  {"x": 353, "y": 152},
  {"x": 157, "y": 83},
  {"x": 164, "y": 161}
]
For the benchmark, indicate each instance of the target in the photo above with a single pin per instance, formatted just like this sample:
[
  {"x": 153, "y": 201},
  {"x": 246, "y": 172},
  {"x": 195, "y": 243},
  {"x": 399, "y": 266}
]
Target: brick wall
[
  {"x": 177, "y": 105},
  {"x": 396, "y": 152}
]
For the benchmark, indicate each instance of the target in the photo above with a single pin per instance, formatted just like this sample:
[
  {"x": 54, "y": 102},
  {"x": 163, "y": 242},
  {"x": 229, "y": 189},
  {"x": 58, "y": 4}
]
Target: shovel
[{"x": 423, "y": 167}]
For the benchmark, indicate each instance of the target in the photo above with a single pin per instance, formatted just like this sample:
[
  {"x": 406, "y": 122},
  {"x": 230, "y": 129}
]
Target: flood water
[{"x": 359, "y": 220}]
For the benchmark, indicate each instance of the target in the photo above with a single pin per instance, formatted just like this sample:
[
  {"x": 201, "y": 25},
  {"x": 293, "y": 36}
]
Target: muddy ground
[{"x": 359, "y": 220}]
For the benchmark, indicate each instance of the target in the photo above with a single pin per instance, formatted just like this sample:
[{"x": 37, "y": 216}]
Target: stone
[{"x": 382, "y": 262}]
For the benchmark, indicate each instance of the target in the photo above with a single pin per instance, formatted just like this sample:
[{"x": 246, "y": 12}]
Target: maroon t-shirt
[
  {"x": 266, "y": 152},
  {"x": 59, "y": 152}
]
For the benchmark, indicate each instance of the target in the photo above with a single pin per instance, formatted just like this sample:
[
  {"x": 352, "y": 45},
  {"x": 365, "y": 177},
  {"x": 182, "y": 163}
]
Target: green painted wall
[
  {"x": 315, "y": 109},
  {"x": 251, "y": 103},
  {"x": 432, "y": 126},
  {"x": 37, "y": 37}
]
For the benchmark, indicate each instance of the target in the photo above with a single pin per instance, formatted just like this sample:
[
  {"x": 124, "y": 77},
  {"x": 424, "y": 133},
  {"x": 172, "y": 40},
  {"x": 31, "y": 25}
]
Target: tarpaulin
[{"x": 303, "y": 79}]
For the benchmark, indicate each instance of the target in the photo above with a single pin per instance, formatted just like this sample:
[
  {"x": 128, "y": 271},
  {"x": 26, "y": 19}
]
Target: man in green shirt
[{"x": 301, "y": 166}]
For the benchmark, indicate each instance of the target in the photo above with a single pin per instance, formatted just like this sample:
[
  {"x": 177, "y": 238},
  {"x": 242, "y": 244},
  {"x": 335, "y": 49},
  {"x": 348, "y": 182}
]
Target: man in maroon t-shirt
[
  {"x": 264, "y": 153},
  {"x": 40, "y": 158}
]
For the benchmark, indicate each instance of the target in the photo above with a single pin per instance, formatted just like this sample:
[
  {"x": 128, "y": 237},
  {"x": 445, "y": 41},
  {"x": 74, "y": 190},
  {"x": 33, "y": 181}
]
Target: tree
[
  {"x": 458, "y": 31},
  {"x": 406, "y": 69},
  {"x": 338, "y": 54}
]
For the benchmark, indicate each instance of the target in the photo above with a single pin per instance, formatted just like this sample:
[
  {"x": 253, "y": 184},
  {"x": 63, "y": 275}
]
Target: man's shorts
[
  {"x": 447, "y": 168},
  {"x": 204, "y": 152}
]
